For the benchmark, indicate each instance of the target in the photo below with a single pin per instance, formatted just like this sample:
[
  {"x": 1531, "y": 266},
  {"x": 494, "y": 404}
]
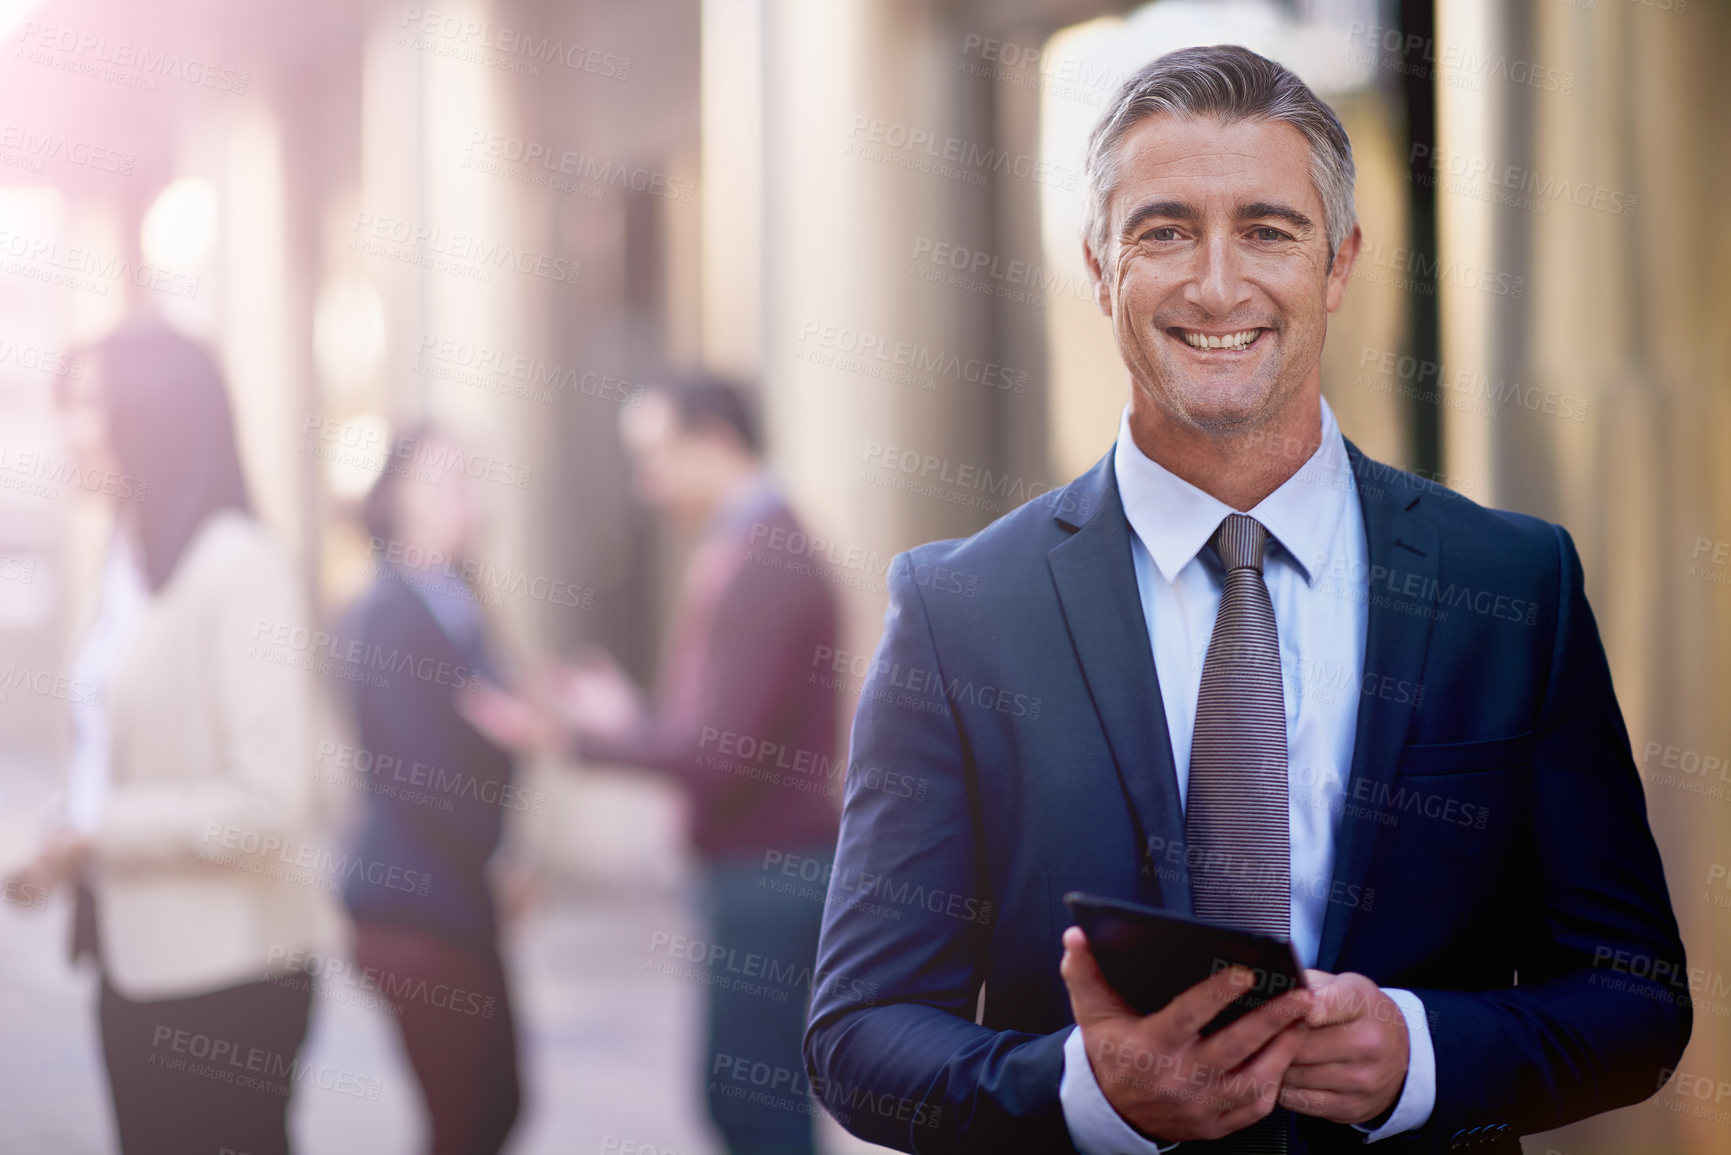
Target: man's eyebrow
[
  {"x": 1260, "y": 209},
  {"x": 1185, "y": 211},
  {"x": 1148, "y": 210}
]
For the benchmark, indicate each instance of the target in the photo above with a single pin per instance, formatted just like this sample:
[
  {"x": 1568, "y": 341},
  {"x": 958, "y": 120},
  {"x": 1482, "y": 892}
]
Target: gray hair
[{"x": 1232, "y": 83}]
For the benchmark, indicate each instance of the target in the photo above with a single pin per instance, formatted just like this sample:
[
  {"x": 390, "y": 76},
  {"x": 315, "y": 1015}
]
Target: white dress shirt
[{"x": 1316, "y": 532}]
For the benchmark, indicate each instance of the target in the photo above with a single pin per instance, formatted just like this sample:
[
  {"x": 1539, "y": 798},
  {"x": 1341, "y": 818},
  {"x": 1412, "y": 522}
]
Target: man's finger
[
  {"x": 1091, "y": 996},
  {"x": 1261, "y": 1077},
  {"x": 1322, "y": 1104},
  {"x": 1343, "y": 999},
  {"x": 1232, "y": 1045},
  {"x": 1345, "y": 1076},
  {"x": 1341, "y": 1043},
  {"x": 1194, "y": 1009}
]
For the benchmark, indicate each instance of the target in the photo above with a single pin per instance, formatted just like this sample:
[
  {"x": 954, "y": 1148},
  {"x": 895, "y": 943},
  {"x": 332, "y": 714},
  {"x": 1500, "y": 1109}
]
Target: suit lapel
[
  {"x": 1096, "y": 583},
  {"x": 1402, "y": 553}
]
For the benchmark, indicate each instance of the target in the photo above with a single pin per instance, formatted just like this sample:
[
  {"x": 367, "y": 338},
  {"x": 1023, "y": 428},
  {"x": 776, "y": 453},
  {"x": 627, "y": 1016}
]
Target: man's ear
[
  {"x": 1097, "y": 278},
  {"x": 1342, "y": 268}
]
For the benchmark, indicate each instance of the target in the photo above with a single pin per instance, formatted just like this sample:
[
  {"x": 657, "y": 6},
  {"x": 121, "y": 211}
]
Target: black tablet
[{"x": 1151, "y": 956}]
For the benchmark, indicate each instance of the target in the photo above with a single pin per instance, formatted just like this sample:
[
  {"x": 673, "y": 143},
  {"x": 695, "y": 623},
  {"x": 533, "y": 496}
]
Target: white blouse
[{"x": 122, "y": 598}]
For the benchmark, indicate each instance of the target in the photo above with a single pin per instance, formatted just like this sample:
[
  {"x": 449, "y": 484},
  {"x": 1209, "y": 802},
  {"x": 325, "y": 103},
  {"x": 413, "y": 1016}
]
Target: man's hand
[
  {"x": 1160, "y": 1075},
  {"x": 1352, "y": 1064},
  {"x": 594, "y": 697},
  {"x": 511, "y": 722}
]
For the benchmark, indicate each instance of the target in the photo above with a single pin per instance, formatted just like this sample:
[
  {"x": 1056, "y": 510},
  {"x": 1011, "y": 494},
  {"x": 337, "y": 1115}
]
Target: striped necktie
[{"x": 1235, "y": 814}]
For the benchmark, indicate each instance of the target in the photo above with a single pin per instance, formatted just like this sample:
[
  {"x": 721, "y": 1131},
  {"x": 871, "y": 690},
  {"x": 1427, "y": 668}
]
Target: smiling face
[{"x": 1217, "y": 277}]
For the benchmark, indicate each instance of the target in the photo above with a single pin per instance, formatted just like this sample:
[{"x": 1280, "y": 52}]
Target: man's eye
[
  {"x": 1269, "y": 233},
  {"x": 1163, "y": 233}
]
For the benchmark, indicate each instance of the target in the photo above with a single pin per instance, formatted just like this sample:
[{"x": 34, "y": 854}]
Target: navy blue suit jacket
[{"x": 1494, "y": 827}]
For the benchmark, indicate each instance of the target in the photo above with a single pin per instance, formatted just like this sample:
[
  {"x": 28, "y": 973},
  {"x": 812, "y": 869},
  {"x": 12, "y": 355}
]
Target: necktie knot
[{"x": 1240, "y": 541}]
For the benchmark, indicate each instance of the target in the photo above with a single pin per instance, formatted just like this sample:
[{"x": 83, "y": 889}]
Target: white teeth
[{"x": 1230, "y": 341}]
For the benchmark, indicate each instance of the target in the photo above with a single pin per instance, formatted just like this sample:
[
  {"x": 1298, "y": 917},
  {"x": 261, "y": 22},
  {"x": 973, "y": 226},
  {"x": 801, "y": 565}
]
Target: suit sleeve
[
  {"x": 1601, "y": 1011},
  {"x": 892, "y": 1047},
  {"x": 260, "y": 718}
]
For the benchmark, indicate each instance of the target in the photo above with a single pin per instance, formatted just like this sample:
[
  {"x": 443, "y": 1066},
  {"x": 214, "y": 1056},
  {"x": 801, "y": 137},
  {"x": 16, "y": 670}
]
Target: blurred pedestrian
[
  {"x": 752, "y": 615},
  {"x": 190, "y": 754},
  {"x": 444, "y": 822}
]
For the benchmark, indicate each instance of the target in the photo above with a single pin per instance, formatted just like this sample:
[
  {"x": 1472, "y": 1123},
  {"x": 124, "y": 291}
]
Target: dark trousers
[
  {"x": 454, "y": 1017},
  {"x": 764, "y": 928},
  {"x": 210, "y": 1073}
]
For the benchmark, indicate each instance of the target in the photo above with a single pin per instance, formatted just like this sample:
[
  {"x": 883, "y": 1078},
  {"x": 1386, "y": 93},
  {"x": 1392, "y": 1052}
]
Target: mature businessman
[{"x": 1273, "y": 684}]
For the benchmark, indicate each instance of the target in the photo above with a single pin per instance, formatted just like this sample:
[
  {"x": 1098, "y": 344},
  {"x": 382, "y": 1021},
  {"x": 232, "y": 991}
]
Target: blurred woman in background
[
  {"x": 445, "y": 819},
  {"x": 190, "y": 756}
]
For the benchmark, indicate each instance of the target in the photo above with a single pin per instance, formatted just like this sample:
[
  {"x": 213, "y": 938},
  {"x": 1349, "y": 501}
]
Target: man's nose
[{"x": 1218, "y": 284}]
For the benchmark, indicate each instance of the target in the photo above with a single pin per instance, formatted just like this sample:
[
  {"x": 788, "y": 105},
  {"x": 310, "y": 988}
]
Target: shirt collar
[{"x": 1174, "y": 519}]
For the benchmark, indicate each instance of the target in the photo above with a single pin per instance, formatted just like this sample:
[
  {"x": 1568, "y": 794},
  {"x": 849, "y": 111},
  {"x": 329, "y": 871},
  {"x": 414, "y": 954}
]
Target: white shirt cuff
[
  {"x": 1418, "y": 1097},
  {"x": 1095, "y": 1127}
]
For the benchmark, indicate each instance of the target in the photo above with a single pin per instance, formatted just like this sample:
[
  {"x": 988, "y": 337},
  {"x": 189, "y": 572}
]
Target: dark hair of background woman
[{"x": 172, "y": 429}]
